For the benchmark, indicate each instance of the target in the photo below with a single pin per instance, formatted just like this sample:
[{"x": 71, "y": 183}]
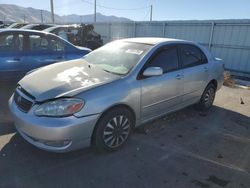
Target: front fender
[{"x": 101, "y": 98}]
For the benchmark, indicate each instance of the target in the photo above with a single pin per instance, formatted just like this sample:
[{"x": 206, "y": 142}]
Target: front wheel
[
  {"x": 113, "y": 129},
  {"x": 207, "y": 97}
]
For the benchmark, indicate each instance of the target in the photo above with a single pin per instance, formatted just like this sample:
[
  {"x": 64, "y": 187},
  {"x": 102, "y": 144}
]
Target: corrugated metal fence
[{"x": 226, "y": 39}]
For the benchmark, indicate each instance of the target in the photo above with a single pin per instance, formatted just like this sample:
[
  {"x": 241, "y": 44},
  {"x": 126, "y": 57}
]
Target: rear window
[{"x": 38, "y": 43}]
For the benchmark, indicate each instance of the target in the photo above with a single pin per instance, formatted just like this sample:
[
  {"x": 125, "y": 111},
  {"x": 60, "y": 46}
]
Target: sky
[{"x": 139, "y": 10}]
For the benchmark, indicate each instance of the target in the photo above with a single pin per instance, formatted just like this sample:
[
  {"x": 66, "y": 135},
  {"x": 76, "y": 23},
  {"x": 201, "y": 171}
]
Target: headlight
[{"x": 60, "y": 107}]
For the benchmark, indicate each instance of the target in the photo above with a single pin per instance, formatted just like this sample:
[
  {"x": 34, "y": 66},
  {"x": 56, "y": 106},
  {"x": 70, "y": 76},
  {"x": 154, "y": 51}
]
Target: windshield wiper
[
  {"x": 91, "y": 65},
  {"x": 113, "y": 72}
]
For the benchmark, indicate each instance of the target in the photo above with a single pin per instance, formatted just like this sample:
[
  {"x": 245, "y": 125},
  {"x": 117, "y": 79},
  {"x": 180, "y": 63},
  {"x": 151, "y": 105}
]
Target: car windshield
[{"x": 118, "y": 57}]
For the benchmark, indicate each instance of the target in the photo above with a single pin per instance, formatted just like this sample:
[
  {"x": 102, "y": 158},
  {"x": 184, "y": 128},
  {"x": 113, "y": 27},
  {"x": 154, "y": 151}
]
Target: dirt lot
[{"x": 184, "y": 149}]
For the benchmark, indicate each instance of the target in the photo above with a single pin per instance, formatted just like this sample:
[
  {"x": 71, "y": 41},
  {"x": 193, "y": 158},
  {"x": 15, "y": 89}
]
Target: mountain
[
  {"x": 19, "y": 14},
  {"x": 90, "y": 17},
  {"x": 16, "y": 13}
]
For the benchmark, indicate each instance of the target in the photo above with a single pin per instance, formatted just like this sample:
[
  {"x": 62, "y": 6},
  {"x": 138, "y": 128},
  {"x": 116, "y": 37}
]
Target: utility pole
[
  {"x": 95, "y": 12},
  {"x": 52, "y": 11},
  {"x": 151, "y": 12},
  {"x": 23, "y": 18},
  {"x": 41, "y": 16}
]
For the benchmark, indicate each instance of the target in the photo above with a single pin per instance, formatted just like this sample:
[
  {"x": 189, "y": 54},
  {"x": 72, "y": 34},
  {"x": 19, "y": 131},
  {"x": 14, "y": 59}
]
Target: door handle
[
  {"x": 51, "y": 60},
  {"x": 205, "y": 69},
  {"x": 14, "y": 60},
  {"x": 178, "y": 77}
]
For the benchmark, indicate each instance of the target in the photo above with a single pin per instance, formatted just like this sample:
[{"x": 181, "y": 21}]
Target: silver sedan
[{"x": 98, "y": 100}]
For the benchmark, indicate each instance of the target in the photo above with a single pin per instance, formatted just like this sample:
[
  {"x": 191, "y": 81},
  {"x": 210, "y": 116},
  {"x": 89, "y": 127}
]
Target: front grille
[{"x": 22, "y": 103}]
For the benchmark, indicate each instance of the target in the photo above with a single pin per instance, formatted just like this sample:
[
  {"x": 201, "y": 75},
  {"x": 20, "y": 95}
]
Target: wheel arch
[
  {"x": 116, "y": 106},
  {"x": 214, "y": 82}
]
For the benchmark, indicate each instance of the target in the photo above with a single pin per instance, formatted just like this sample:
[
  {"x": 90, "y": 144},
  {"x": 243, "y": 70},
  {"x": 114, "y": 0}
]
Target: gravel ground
[{"x": 183, "y": 149}]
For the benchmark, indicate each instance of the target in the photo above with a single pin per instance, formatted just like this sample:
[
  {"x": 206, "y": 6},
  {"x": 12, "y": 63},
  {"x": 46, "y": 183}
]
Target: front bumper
[{"x": 53, "y": 134}]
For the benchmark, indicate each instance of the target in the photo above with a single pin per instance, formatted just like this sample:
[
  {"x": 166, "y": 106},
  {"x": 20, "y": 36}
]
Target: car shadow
[
  {"x": 6, "y": 90},
  {"x": 20, "y": 159},
  {"x": 7, "y": 128}
]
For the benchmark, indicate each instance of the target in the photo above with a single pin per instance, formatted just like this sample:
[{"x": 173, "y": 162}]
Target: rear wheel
[
  {"x": 207, "y": 97},
  {"x": 113, "y": 129}
]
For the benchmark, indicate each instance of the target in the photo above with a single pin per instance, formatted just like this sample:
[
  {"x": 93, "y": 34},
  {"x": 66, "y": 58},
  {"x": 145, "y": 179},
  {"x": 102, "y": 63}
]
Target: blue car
[{"x": 24, "y": 50}]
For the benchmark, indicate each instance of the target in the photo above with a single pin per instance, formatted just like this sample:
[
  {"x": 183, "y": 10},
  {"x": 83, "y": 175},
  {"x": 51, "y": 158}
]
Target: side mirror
[{"x": 153, "y": 71}]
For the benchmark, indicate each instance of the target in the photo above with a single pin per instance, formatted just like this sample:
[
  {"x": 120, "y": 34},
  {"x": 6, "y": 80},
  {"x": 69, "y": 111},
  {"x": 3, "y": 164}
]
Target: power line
[
  {"x": 98, "y": 5},
  {"x": 100, "y": 18},
  {"x": 95, "y": 4},
  {"x": 113, "y": 8},
  {"x": 146, "y": 15}
]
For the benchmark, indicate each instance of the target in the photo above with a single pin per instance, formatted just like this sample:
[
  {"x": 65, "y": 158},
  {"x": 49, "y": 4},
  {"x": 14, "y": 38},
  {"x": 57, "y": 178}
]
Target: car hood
[{"x": 64, "y": 79}]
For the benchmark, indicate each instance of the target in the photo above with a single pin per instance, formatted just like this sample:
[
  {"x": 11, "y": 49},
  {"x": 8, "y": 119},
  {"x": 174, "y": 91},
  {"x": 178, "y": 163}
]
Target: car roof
[
  {"x": 33, "y": 32},
  {"x": 22, "y": 30},
  {"x": 61, "y": 26},
  {"x": 53, "y": 28},
  {"x": 50, "y": 28},
  {"x": 153, "y": 40},
  {"x": 35, "y": 24},
  {"x": 29, "y": 25}
]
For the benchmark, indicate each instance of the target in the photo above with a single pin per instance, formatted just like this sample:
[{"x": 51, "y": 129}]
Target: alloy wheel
[
  {"x": 209, "y": 97},
  {"x": 116, "y": 131}
]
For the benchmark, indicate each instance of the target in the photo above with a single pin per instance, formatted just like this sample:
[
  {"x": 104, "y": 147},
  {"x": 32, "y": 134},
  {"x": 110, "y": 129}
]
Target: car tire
[
  {"x": 113, "y": 129},
  {"x": 207, "y": 98}
]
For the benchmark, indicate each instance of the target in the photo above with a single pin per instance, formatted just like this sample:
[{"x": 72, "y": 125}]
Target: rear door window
[
  {"x": 57, "y": 45},
  {"x": 42, "y": 43},
  {"x": 192, "y": 56},
  {"x": 38, "y": 43}
]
